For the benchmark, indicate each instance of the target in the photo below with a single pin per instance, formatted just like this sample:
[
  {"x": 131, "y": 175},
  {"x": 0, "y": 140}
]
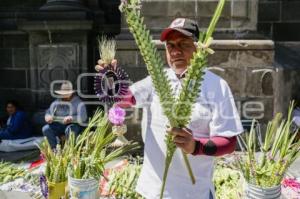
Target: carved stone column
[{"x": 58, "y": 51}]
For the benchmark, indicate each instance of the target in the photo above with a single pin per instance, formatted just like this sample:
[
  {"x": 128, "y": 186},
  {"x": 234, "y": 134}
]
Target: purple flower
[
  {"x": 44, "y": 186},
  {"x": 116, "y": 115}
]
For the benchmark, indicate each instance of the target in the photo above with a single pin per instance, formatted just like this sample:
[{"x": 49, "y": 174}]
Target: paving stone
[
  {"x": 127, "y": 58},
  {"x": 21, "y": 57},
  {"x": 5, "y": 57},
  {"x": 289, "y": 31},
  {"x": 12, "y": 78},
  {"x": 207, "y": 8},
  {"x": 290, "y": 11},
  {"x": 269, "y": 11},
  {"x": 240, "y": 8},
  {"x": 16, "y": 41},
  {"x": 265, "y": 28}
]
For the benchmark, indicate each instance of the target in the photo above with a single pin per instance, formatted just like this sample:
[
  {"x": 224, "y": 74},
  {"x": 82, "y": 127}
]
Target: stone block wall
[
  {"x": 238, "y": 15},
  {"x": 14, "y": 69},
  {"x": 279, "y": 19}
]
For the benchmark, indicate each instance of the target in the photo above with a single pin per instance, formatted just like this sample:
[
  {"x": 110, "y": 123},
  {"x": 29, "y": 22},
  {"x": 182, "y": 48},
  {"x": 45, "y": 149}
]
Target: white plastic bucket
[
  {"x": 255, "y": 192},
  {"x": 83, "y": 188}
]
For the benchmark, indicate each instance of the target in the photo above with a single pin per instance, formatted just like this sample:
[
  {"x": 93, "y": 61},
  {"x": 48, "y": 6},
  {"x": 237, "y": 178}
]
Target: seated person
[
  {"x": 18, "y": 125},
  {"x": 64, "y": 115}
]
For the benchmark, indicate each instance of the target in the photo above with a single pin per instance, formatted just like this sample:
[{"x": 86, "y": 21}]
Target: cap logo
[{"x": 178, "y": 23}]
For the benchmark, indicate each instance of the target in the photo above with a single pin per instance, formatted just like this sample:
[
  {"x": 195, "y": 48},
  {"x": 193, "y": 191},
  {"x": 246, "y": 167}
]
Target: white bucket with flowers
[
  {"x": 256, "y": 192},
  {"x": 89, "y": 155},
  {"x": 83, "y": 188},
  {"x": 264, "y": 170}
]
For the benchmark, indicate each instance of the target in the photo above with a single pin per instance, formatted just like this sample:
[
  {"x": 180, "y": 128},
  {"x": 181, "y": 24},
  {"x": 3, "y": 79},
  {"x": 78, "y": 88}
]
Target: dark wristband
[
  {"x": 210, "y": 148},
  {"x": 197, "y": 148}
]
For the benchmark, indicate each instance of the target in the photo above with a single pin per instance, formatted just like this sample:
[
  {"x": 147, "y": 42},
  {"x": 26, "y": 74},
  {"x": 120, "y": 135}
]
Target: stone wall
[
  {"x": 238, "y": 15},
  {"x": 287, "y": 63},
  {"x": 279, "y": 19},
  {"x": 14, "y": 68},
  {"x": 29, "y": 37},
  {"x": 247, "y": 66}
]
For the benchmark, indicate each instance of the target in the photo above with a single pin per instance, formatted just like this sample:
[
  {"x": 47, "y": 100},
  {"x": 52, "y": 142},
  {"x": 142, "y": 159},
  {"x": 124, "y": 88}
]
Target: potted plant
[
  {"x": 264, "y": 171},
  {"x": 54, "y": 181},
  {"x": 90, "y": 153}
]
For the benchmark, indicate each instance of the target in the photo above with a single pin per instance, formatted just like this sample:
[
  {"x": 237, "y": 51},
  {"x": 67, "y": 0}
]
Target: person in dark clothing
[{"x": 18, "y": 125}]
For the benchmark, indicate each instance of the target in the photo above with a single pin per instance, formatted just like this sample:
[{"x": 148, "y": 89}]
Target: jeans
[{"x": 55, "y": 129}]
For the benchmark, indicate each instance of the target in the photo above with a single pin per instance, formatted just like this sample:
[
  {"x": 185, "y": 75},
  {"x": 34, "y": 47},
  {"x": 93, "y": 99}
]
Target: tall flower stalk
[{"x": 191, "y": 85}]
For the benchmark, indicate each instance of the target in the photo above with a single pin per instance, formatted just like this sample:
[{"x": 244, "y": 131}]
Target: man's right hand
[
  {"x": 49, "y": 119},
  {"x": 101, "y": 65}
]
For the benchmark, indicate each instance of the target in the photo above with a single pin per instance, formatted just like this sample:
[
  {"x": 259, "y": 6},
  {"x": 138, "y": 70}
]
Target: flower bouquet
[
  {"x": 182, "y": 106},
  {"x": 264, "y": 171},
  {"x": 54, "y": 181},
  {"x": 122, "y": 179},
  {"x": 90, "y": 153},
  {"x": 111, "y": 82},
  {"x": 116, "y": 116}
]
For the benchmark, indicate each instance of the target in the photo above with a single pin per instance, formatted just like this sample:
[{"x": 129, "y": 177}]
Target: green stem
[
  {"x": 171, "y": 147},
  {"x": 188, "y": 166},
  {"x": 214, "y": 20},
  {"x": 167, "y": 166}
]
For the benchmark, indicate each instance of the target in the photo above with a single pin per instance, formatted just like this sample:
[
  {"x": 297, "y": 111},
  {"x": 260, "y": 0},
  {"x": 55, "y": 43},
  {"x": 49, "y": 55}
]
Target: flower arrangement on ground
[
  {"x": 54, "y": 181},
  {"x": 265, "y": 170},
  {"x": 90, "y": 153}
]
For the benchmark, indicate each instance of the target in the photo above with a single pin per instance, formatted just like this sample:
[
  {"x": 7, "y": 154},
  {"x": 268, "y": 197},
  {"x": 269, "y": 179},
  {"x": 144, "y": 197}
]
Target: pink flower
[
  {"x": 292, "y": 183},
  {"x": 116, "y": 115}
]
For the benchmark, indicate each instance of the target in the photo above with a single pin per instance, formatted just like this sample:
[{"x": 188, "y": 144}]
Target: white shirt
[{"x": 214, "y": 114}]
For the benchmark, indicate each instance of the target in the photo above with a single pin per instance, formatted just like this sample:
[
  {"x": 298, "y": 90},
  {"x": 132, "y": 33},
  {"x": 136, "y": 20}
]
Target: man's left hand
[
  {"x": 183, "y": 139},
  {"x": 68, "y": 120}
]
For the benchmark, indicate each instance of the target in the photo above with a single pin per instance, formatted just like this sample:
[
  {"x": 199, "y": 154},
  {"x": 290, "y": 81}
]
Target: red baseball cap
[{"x": 186, "y": 26}]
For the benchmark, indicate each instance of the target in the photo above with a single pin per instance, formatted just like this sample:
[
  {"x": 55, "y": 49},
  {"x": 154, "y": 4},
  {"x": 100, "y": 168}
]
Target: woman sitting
[{"x": 17, "y": 125}]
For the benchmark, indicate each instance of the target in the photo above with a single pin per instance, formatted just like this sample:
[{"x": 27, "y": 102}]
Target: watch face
[{"x": 111, "y": 84}]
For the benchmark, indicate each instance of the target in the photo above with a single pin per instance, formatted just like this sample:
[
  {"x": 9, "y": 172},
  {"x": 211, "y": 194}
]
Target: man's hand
[
  {"x": 101, "y": 65},
  {"x": 49, "y": 119},
  {"x": 68, "y": 120},
  {"x": 183, "y": 139}
]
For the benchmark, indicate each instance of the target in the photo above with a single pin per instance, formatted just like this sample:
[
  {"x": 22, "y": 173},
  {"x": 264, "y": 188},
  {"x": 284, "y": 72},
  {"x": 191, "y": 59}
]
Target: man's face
[
  {"x": 179, "y": 50},
  {"x": 10, "y": 109},
  {"x": 67, "y": 97}
]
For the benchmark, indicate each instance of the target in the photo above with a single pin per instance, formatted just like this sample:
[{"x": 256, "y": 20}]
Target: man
[
  {"x": 64, "y": 115},
  {"x": 211, "y": 132}
]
